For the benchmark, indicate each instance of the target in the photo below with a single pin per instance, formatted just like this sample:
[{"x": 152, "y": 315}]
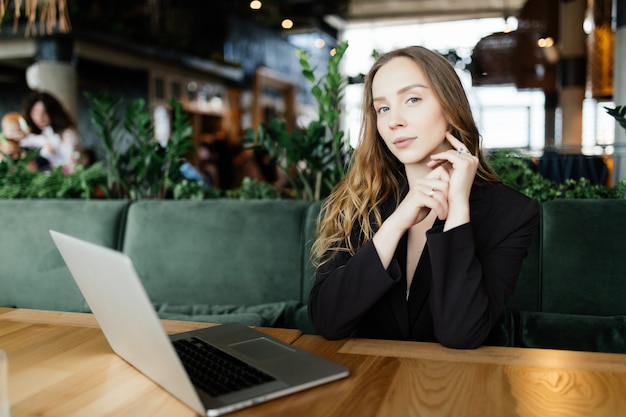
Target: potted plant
[
  {"x": 516, "y": 171},
  {"x": 315, "y": 157}
]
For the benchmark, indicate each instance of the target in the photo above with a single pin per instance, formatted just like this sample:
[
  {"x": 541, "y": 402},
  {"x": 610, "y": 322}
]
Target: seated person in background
[
  {"x": 421, "y": 240},
  {"x": 87, "y": 158},
  {"x": 13, "y": 131},
  {"x": 52, "y": 131}
]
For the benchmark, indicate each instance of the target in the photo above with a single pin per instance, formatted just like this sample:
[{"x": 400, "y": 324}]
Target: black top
[{"x": 461, "y": 284}]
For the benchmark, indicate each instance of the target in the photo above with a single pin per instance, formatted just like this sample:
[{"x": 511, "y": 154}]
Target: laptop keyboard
[{"x": 214, "y": 371}]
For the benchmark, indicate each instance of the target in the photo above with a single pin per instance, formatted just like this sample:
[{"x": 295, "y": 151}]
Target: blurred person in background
[{"x": 52, "y": 131}]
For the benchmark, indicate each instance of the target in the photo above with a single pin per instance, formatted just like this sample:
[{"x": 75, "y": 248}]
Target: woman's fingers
[
  {"x": 434, "y": 193},
  {"x": 456, "y": 144}
]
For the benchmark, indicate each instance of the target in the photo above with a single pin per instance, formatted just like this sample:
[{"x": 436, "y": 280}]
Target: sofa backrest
[
  {"x": 583, "y": 266},
  {"x": 32, "y": 272},
  {"x": 257, "y": 257},
  {"x": 251, "y": 252},
  {"x": 310, "y": 223}
]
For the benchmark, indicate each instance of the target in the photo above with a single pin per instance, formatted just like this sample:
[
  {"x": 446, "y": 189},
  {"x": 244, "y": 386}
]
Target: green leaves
[
  {"x": 253, "y": 189},
  {"x": 515, "y": 171},
  {"x": 619, "y": 113},
  {"x": 17, "y": 180},
  {"x": 314, "y": 158},
  {"x": 137, "y": 165}
]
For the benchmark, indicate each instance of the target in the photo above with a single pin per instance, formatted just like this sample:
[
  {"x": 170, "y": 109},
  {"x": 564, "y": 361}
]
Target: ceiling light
[
  {"x": 510, "y": 24},
  {"x": 319, "y": 43},
  {"x": 255, "y": 4},
  {"x": 546, "y": 42},
  {"x": 287, "y": 24}
]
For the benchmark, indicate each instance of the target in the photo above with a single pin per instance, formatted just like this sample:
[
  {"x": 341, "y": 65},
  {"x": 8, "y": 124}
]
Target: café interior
[
  {"x": 558, "y": 349},
  {"x": 233, "y": 66}
]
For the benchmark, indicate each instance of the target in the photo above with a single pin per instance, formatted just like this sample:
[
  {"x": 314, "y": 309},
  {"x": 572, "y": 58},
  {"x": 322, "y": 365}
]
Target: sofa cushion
[
  {"x": 573, "y": 332},
  {"x": 218, "y": 252},
  {"x": 32, "y": 272},
  {"x": 583, "y": 269}
]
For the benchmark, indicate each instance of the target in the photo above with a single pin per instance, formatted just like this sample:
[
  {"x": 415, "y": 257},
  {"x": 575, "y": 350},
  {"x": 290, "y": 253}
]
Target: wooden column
[{"x": 572, "y": 72}]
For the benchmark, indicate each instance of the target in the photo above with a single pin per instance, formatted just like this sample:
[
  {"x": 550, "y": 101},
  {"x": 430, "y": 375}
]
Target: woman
[
  {"x": 421, "y": 240},
  {"x": 52, "y": 131}
]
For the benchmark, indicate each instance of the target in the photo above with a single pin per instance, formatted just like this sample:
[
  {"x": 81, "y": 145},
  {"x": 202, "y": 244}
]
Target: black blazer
[{"x": 461, "y": 284}]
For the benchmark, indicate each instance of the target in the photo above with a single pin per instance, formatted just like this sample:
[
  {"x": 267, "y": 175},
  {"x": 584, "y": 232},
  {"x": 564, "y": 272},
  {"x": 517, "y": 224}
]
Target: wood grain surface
[{"x": 61, "y": 365}]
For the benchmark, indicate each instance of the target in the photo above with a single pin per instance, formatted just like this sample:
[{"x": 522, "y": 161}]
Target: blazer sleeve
[
  {"x": 346, "y": 287},
  {"x": 471, "y": 281}
]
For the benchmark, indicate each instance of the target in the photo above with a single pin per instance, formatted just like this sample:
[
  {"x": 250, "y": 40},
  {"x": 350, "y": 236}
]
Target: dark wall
[
  {"x": 253, "y": 46},
  {"x": 94, "y": 77},
  {"x": 13, "y": 91}
]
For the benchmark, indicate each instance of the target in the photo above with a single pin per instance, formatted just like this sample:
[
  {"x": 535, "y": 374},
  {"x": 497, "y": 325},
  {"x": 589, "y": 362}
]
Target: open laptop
[{"x": 120, "y": 304}]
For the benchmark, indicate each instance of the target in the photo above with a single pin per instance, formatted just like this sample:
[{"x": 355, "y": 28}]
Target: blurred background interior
[{"x": 539, "y": 73}]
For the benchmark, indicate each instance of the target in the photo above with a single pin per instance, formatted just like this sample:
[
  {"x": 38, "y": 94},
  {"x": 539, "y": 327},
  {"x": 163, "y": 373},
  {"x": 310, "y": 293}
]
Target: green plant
[
  {"x": 137, "y": 165},
  {"x": 18, "y": 180},
  {"x": 515, "y": 170},
  {"x": 105, "y": 117},
  {"x": 194, "y": 190},
  {"x": 314, "y": 158},
  {"x": 253, "y": 189},
  {"x": 619, "y": 113}
]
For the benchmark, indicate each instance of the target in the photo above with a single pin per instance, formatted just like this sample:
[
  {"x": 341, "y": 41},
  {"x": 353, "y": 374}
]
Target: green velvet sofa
[
  {"x": 248, "y": 261},
  {"x": 212, "y": 260},
  {"x": 571, "y": 293}
]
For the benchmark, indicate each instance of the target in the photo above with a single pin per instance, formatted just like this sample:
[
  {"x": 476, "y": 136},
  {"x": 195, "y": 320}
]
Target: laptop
[{"x": 122, "y": 308}]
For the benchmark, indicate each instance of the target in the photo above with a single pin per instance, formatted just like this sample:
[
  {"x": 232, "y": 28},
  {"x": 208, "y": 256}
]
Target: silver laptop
[{"x": 120, "y": 304}]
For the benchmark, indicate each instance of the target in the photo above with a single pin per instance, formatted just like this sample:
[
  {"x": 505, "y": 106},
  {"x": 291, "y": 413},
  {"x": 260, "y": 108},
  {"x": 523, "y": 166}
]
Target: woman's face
[
  {"x": 409, "y": 117},
  {"x": 39, "y": 115}
]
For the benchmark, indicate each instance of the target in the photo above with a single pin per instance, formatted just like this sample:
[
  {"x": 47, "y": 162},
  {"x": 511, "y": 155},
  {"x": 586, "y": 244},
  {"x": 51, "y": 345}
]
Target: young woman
[
  {"x": 421, "y": 240},
  {"x": 52, "y": 131}
]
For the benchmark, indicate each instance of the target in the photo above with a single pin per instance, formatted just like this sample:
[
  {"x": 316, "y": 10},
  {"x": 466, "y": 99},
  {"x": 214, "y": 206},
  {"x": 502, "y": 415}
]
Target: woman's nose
[{"x": 396, "y": 119}]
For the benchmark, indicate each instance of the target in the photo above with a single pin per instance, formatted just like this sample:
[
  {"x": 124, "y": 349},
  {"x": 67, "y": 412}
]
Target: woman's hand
[
  {"x": 425, "y": 195},
  {"x": 461, "y": 166}
]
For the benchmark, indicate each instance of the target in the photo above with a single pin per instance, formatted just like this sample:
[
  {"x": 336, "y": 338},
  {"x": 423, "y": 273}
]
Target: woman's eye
[
  {"x": 383, "y": 109},
  {"x": 413, "y": 100}
]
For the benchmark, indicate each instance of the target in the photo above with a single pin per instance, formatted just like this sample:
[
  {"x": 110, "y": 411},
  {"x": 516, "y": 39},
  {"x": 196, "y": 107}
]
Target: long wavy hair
[
  {"x": 59, "y": 118},
  {"x": 375, "y": 175}
]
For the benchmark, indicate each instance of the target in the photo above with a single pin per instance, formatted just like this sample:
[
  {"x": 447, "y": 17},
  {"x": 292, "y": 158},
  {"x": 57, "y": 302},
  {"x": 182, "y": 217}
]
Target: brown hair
[
  {"x": 59, "y": 118},
  {"x": 375, "y": 174}
]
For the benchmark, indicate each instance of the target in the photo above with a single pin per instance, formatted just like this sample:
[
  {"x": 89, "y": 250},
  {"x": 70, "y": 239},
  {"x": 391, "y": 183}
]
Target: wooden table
[{"x": 61, "y": 365}]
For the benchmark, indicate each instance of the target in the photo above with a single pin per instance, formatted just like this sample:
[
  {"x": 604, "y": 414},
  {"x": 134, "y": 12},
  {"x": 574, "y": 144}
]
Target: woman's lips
[{"x": 403, "y": 142}]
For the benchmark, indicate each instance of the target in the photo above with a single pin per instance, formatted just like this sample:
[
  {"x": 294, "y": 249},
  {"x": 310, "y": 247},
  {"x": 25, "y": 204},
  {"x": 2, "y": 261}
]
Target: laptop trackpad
[{"x": 261, "y": 349}]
